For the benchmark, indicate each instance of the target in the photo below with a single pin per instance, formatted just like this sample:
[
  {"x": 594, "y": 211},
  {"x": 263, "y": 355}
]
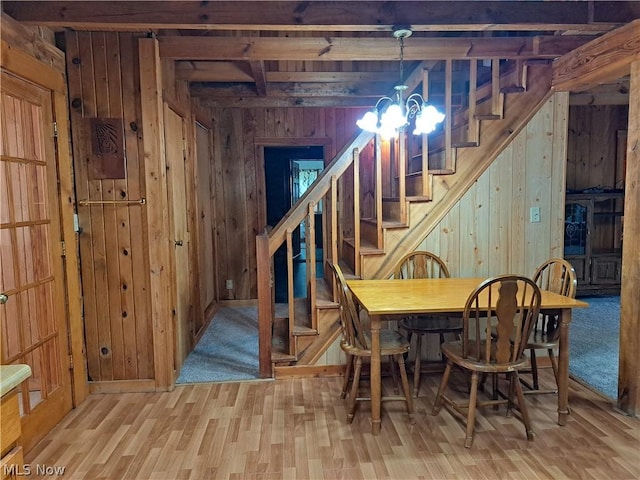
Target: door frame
[{"x": 21, "y": 64}]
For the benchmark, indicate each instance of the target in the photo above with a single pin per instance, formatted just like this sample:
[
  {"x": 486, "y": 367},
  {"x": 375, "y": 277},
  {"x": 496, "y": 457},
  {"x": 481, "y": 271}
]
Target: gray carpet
[
  {"x": 228, "y": 350},
  {"x": 594, "y": 344}
]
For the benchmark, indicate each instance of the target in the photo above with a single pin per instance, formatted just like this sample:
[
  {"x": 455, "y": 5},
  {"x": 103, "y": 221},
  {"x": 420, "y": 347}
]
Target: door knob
[
  {"x": 178, "y": 243},
  {"x": 3, "y": 298}
]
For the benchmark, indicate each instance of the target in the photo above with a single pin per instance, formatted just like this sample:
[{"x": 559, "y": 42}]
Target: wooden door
[
  {"x": 33, "y": 319},
  {"x": 177, "y": 191}
]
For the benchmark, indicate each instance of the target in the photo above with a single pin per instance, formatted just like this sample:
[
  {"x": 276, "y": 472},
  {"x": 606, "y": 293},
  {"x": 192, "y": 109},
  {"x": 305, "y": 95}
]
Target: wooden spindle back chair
[
  {"x": 356, "y": 344},
  {"x": 558, "y": 276},
  {"x": 423, "y": 264},
  {"x": 497, "y": 321}
]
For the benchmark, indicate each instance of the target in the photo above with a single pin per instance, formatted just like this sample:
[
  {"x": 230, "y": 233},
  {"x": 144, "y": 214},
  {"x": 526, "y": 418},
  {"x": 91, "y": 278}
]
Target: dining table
[{"x": 385, "y": 299}]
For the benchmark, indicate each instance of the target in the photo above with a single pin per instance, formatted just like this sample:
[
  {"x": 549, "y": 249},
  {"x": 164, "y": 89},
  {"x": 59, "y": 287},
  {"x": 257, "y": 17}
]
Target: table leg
[
  {"x": 376, "y": 381},
  {"x": 563, "y": 367}
]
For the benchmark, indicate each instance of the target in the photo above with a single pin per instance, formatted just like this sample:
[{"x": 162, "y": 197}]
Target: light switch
[{"x": 534, "y": 215}]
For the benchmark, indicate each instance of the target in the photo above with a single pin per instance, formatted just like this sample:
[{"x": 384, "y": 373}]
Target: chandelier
[{"x": 391, "y": 115}]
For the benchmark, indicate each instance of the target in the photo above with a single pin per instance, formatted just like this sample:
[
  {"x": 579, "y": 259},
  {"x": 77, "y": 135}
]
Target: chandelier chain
[{"x": 402, "y": 60}]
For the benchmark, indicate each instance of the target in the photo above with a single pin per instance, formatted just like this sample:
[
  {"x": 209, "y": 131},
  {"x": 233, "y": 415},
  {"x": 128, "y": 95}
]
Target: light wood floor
[{"x": 295, "y": 428}]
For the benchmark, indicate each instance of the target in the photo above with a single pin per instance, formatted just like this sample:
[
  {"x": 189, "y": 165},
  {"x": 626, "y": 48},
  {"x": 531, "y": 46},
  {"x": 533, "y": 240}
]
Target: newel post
[{"x": 265, "y": 304}]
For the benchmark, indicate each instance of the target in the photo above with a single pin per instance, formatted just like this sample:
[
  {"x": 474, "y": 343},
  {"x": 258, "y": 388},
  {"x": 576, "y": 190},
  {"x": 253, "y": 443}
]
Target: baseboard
[
  {"x": 308, "y": 371},
  {"x": 123, "y": 386}
]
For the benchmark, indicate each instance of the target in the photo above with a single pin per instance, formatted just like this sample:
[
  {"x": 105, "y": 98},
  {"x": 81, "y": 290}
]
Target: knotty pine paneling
[
  {"x": 592, "y": 146},
  {"x": 238, "y": 134},
  {"x": 103, "y": 76},
  {"x": 488, "y": 232}
]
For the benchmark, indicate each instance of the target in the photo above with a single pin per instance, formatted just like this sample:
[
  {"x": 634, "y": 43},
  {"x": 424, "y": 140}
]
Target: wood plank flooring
[{"x": 295, "y": 428}]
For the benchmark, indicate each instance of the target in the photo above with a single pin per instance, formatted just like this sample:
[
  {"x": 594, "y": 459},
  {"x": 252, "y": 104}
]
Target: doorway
[{"x": 289, "y": 171}]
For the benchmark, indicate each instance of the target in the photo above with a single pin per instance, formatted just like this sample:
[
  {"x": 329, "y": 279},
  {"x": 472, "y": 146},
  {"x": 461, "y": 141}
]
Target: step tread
[
  {"x": 465, "y": 144},
  {"x": 366, "y": 248},
  {"x": 302, "y": 331},
  {"x": 513, "y": 89},
  {"x": 418, "y": 198},
  {"x": 488, "y": 116},
  {"x": 393, "y": 224}
]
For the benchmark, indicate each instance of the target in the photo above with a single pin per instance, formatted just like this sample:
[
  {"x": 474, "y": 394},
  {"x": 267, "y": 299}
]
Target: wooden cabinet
[
  {"x": 11, "y": 464},
  {"x": 593, "y": 239}
]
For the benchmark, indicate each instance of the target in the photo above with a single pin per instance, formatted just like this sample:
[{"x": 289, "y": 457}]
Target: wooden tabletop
[{"x": 434, "y": 295}]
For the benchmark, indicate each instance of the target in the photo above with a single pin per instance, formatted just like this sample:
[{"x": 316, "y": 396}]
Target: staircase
[{"x": 380, "y": 199}]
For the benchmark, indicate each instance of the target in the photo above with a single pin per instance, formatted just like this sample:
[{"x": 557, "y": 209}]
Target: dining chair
[
  {"x": 422, "y": 264},
  {"x": 558, "y": 276},
  {"x": 356, "y": 344},
  {"x": 497, "y": 321}
]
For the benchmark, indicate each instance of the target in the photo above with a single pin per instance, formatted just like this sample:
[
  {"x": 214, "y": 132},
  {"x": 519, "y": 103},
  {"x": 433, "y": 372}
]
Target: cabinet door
[
  {"x": 577, "y": 223},
  {"x": 582, "y": 269},
  {"x": 605, "y": 270}
]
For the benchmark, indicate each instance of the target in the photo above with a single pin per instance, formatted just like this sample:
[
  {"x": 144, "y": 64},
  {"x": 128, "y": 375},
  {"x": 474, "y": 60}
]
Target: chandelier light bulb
[{"x": 390, "y": 121}]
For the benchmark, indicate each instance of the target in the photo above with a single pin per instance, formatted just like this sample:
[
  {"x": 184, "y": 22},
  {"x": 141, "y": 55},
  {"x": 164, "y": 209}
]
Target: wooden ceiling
[{"x": 323, "y": 53}]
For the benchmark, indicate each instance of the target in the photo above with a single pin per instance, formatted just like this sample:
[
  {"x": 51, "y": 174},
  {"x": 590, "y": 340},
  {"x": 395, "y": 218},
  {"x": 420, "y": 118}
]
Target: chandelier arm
[{"x": 380, "y": 100}]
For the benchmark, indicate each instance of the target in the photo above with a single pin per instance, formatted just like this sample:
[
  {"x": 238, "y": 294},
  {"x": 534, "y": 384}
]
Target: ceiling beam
[
  {"x": 213, "y": 71},
  {"x": 610, "y": 94},
  {"x": 363, "y": 49},
  {"x": 327, "y": 15},
  {"x": 257, "y": 70},
  {"x": 602, "y": 60},
  {"x": 204, "y": 71}
]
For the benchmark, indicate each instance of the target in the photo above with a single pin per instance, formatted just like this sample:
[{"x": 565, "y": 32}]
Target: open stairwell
[{"x": 380, "y": 199}]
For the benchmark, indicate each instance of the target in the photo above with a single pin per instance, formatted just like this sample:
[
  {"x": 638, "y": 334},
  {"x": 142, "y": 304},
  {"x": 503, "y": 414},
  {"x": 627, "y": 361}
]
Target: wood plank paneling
[
  {"x": 238, "y": 185},
  {"x": 490, "y": 233},
  {"x": 103, "y": 82},
  {"x": 592, "y": 145}
]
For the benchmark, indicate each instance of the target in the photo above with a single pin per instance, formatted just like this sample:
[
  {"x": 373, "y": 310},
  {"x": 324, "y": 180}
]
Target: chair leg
[
  {"x": 494, "y": 392},
  {"x": 471, "y": 414},
  {"x": 353, "y": 395},
  {"x": 405, "y": 387},
  {"x": 394, "y": 376},
  {"x": 417, "y": 366},
  {"x": 534, "y": 369},
  {"x": 347, "y": 374},
  {"x": 437, "y": 404},
  {"x": 522, "y": 406},
  {"x": 554, "y": 363}
]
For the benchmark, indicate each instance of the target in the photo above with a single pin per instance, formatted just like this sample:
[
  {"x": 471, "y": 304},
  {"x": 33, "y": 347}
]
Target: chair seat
[
  {"x": 391, "y": 343},
  {"x": 431, "y": 324},
  {"x": 453, "y": 351}
]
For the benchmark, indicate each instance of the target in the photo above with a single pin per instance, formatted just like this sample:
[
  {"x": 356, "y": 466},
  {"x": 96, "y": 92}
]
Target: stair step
[
  {"x": 279, "y": 357},
  {"x": 324, "y": 295},
  {"x": 442, "y": 171},
  {"x": 302, "y": 331},
  {"x": 418, "y": 198},
  {"x": 280, "y": 351},
  {"x": 465, "y": 144},
  {"x": 393, "y": 224},
  {"x": 488, "y": 116},
  {"x": 512, "y": 89},
  {"x": 366, "y": 248}
]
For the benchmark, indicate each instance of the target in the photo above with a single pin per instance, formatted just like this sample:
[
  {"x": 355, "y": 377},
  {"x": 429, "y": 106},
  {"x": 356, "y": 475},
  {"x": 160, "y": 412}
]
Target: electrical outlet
[
  {"x": 534, "y": 215},
  {"x": 229, "y": 284}
]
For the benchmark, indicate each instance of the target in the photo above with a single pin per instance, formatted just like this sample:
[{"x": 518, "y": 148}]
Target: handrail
[{"x": 317, "y": 190}]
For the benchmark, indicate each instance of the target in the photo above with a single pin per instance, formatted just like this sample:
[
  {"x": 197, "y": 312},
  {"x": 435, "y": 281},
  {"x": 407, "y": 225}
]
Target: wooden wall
[
  {"x": 121, "y": 323},
  {"x": 594, "y": 154},
  {"x": 488, "y": 232},
  {"x": 238, "y": 137},
  {"x": 103, "y": 76}
]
